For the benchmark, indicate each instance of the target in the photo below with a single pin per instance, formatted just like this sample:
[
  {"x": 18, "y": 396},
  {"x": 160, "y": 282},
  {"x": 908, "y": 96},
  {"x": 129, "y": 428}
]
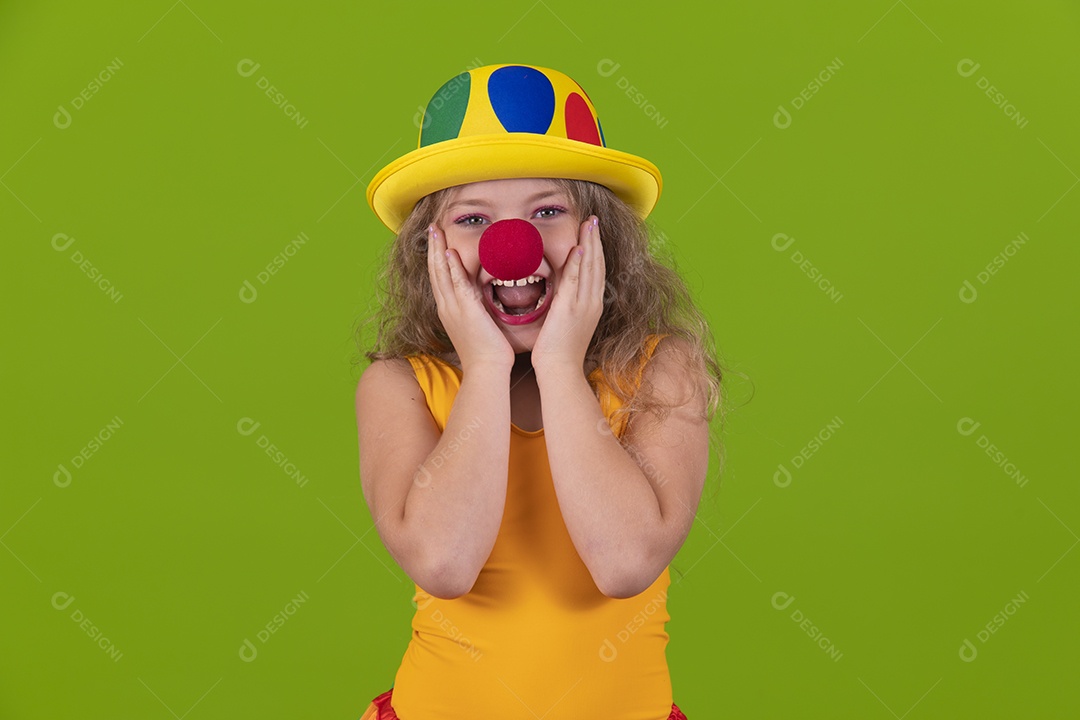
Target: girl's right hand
[{"x": 473, "y": 332}]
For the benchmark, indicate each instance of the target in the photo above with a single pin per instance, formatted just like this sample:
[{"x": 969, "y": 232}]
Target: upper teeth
[{"x": 523, "y": 281}]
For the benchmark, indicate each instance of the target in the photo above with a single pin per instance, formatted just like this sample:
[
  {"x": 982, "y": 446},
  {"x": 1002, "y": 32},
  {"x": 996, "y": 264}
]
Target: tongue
[{"x": 523, "y": 296}]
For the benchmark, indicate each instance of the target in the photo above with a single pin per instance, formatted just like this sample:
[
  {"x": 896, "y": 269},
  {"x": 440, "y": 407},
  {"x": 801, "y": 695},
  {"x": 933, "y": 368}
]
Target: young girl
[{"x": 532, "y": 450}]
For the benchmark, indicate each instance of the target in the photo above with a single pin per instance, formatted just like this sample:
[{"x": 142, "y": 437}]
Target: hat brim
[{"x": 395, "y": 189}]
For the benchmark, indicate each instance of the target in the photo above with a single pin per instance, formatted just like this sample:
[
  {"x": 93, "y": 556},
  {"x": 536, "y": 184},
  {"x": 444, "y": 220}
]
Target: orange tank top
[{"x": 534, "y": 637}]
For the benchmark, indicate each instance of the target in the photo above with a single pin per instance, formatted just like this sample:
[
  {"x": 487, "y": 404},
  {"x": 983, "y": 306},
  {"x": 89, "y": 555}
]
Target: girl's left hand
[{"x": 571, "y": 321}]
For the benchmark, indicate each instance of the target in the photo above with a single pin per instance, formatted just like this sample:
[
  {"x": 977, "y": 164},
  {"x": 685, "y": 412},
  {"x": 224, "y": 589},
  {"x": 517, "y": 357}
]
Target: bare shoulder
[
  {"x": 396, "y": 430},
  {"x": 388, "y": 394},
  {"x": 386, "y": 376}
]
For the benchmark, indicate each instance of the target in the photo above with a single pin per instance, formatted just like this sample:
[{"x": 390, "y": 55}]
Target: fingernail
[
  {"x": 595, "y": 221},
  {"x": 581, "y": 251}
]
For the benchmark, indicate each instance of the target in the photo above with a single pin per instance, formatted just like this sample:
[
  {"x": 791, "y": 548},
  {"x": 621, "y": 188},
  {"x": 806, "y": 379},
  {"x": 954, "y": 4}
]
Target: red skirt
[{"x": 381, "y": 709}]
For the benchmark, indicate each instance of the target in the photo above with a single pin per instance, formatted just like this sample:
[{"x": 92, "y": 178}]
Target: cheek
[
  {"x": 557, "y": 246},
  {"x": 466, "y": 248}
]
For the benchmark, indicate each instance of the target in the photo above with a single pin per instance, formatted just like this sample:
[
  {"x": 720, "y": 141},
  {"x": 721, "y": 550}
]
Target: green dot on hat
[{"x": 446, "y": 111}]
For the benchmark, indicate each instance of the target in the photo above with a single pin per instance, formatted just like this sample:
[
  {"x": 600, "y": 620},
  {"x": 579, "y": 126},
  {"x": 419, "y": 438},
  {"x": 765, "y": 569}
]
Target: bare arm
[
  {"x": 627, "y": 524},
  {"x": 437, "y": 500}
]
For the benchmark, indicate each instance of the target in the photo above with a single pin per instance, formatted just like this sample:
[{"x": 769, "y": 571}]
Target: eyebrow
[{"x": 484, "y": 203}]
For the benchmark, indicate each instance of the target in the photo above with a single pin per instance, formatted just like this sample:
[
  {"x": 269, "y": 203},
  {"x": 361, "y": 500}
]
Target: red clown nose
[{"x": 511, "y": 249}]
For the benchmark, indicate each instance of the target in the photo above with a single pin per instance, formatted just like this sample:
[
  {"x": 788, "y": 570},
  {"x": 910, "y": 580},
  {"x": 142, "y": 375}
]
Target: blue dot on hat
[{"x": 522, "y": 98}]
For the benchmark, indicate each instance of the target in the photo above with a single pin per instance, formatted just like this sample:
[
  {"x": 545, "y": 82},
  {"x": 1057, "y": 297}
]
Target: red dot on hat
[
  {"x": 511, "y": 249},
  {"x": 580, "y": 123}
]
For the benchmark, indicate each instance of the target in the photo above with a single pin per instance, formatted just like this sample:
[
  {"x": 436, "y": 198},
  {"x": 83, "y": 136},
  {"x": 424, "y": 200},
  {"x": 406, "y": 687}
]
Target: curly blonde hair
[{"x": 645, "y": 295}]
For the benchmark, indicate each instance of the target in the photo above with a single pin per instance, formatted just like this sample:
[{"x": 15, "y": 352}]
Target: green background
[{"x": 899, "y": 180}]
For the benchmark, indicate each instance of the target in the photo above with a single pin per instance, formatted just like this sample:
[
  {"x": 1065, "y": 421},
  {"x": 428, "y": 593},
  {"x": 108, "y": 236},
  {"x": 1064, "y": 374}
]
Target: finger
[
  {"x": 573, "y": 269},
  {"x": 455, "y": 271},
  {"x": 442, "y": 271},
  {"x": 588, "y": 263}
]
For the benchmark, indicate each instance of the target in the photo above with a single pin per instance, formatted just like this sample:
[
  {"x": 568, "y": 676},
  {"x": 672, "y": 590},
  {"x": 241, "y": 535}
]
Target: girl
[{"x": 532, "y": 450}]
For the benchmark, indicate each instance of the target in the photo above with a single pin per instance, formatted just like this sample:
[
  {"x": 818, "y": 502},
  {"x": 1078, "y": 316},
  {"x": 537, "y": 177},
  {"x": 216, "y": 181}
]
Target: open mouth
[{"x": 518, "y": 315}]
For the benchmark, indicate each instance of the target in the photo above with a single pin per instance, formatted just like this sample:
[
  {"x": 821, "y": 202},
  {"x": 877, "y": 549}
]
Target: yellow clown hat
[{"x": 509, "y": 121}]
